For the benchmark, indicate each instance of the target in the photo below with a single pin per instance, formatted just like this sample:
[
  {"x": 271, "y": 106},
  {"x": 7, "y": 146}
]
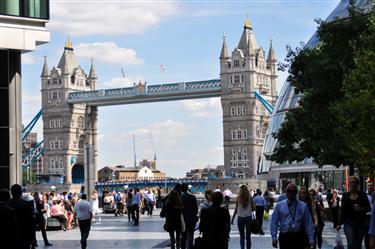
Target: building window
[
  {"x": 239, "y": 134},
  {"x": 245, "y": 134},
  {"x": 80, "y": 123},
  {"x": 238, "y": 111},
  {"x": 54, "y": 81},
  {"x": 236, "y": 79},
  {"x": 236, "y": 63},
  {"x": 234, "y": 135},
  {"x": 233, "y": 111},
  {"x": 244, "y": 110}
]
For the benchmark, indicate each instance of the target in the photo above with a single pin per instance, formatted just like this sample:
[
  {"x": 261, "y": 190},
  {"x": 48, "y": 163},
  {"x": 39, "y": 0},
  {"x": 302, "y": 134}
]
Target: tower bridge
[{"x": 70, "y": 103}]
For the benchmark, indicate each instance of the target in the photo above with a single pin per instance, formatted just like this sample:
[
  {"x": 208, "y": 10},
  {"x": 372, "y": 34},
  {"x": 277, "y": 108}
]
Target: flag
[
  {"x": 123, "y": 73},
  {"x": 162, "y": 68}
]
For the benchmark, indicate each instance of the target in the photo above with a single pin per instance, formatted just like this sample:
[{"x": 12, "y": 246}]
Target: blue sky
[{"x": 185, "y": 37}]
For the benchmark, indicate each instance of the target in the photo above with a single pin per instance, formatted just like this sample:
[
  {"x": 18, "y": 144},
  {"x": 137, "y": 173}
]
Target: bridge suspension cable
[
  {"x": 33, "y": 155},
  {"x": 265, "y": 103},
  {"x": 26, "y": 131}
]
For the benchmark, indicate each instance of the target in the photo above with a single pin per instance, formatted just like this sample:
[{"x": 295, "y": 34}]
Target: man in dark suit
[
  {"x": 190, "y": 212},
  {"x": 39, "y": 221},
  {"x": 24, "y": 214},
  {"x": 8, "y": 226}
]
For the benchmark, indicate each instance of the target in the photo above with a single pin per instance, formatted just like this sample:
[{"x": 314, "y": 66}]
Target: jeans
[
  {"x": 175, "y": 240},
  {"x": 244, "y": 223},
  {"x": 130, "y": 212},
  {"x": 84, "y": 227},
  {"x": 187, "y": 238},
  {"x": 354, "y": 233},
  {"x": 135, "y": 214}
]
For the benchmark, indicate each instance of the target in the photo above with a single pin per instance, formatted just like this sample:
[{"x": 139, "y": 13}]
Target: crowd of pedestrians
[{"x": 23, "y": 215}]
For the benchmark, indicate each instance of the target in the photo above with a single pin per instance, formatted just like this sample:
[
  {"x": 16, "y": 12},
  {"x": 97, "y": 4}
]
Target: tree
[{"x": 335, "y": 119}]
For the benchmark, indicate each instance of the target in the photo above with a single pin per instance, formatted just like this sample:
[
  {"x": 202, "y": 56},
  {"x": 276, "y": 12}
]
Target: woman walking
[
  {"x": 319, "y": 216},
  {"x": 244, "y": 207},
  {"x": 334, "y": 205},
  {"x": 173, "y": 213},
  {"x": 308, "y": 200},
  {"x": 354, "y": 206}
]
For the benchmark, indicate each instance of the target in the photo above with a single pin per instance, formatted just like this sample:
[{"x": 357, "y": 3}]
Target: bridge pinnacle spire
[
  {"x": 224, "y": 50},
  {"x": 45, "y": 68},
  {"x": 92, "y": 74},
  {"x": 271, "y": 54}
]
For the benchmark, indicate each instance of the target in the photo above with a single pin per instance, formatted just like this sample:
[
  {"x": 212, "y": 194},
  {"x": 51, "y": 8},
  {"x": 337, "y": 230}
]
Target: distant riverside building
[
  {"x": 145, "y": 171},
  {"x": 28, "y": 145},
  {"x": 245, "y": 120},
  {"x": 22, "y": 28},
  {"x": 207, "y": 173}
]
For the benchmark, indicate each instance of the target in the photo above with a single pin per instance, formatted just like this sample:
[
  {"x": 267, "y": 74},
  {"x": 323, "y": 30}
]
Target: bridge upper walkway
[{"x": 142, "y": 93}]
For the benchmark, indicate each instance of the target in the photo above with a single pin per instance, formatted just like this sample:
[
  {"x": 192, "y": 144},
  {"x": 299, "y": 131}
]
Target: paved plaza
[{"x": 117, "y": 232}]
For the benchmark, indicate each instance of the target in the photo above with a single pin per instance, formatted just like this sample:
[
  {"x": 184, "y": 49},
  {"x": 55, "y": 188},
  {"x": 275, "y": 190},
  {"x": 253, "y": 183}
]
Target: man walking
[
  {"x": 190, "y": 212},
  {"x": 83, "y": 211},
  {"x": 261, "y": 205},
  {"x": 227, "y": 196},
  {"x": 136, "y": 200},
  {"x": 292, "y": 218},
  {"x": 38, "y": 211},
  {"x": 24, "y": 214}
]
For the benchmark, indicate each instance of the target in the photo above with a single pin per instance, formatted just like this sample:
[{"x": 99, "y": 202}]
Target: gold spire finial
[
  {"x": 68, "y": 43},
  {"x": 247, "y": 23}
]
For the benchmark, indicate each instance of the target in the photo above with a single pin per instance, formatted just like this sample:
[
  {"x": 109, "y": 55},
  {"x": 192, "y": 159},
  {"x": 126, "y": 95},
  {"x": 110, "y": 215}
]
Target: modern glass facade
[
  {"x": 288, "y": 99},
  {"x": 38, "y": 9}
]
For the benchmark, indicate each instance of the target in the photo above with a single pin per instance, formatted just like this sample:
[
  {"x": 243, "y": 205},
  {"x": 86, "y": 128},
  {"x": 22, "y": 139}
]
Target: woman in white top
[
  {"x": 244, "y": 206},
  {"x": 95, "y": 202}
]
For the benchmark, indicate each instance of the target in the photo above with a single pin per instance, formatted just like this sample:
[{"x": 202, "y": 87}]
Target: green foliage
[{"x": 335, "y": 120}]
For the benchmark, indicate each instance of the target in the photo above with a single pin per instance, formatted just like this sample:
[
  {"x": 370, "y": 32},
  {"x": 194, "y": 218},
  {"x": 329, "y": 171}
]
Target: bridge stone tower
[
  {"x": 245, "y": 120},
  {"x": 66, "y": 128}
]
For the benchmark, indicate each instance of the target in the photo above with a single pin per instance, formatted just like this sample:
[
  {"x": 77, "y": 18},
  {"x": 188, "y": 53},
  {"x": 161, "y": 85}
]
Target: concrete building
[
  {"x": 245, "y": 120},
  {"x": 65, "y": 126},
  {"x": 22, "y": 28}
]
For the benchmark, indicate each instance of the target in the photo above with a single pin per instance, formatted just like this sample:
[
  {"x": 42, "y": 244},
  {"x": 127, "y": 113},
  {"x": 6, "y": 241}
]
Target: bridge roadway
[{"x": 117, "y": 232}]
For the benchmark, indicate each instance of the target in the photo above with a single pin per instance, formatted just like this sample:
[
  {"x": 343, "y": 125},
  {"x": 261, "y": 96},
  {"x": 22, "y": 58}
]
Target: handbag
[
  {"x": 183, "y": 226},
  {"x": 255, "y": 229},
  {"x": 338, "y": 242}
]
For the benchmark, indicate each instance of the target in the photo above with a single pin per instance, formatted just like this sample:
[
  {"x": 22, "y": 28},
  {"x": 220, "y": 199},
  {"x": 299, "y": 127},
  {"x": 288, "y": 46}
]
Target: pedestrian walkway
[{"x": 117, "y": 232}]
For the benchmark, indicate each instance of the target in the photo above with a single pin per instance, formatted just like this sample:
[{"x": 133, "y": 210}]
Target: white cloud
[
  {"x": 122, "y": 82},
  {"x": 107, "y": 52},
  {"x": 203, "y": 108},
  {"x": 28, "y": 59},
  {"x": 109, "y": 17},
  {"x": 166, "y": 135}
]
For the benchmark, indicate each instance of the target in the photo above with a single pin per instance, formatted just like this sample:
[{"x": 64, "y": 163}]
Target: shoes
[
  {"x": 48, "y": 244},
  {"x": 63, "y": 228}
]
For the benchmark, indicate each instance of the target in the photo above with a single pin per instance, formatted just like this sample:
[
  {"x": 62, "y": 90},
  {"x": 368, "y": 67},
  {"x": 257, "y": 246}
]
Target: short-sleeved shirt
[{"x": 83, "y": 210}]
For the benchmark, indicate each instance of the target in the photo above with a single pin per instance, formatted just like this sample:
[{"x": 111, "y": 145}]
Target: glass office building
[
  {"x": 22, "y": 28},
  {"x": 305, "y": 172}
]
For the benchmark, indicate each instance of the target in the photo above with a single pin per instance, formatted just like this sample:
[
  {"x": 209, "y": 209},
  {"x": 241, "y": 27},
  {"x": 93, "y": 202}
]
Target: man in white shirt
[
  {"x": 227, "y": 196},
  {"x": 83, "y": 211}
]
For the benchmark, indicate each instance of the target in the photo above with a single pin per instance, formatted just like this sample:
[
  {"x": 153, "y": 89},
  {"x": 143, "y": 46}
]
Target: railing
[{"x": 38, "y": 9}]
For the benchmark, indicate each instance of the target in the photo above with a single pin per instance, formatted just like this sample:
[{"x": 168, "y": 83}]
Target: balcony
[{"x": 38, "y": 9}]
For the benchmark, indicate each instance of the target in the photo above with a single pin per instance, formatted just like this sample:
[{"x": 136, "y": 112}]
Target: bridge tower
[
  {"x": 245, "y": 120},
  {"x": 67, "y": 128}
]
